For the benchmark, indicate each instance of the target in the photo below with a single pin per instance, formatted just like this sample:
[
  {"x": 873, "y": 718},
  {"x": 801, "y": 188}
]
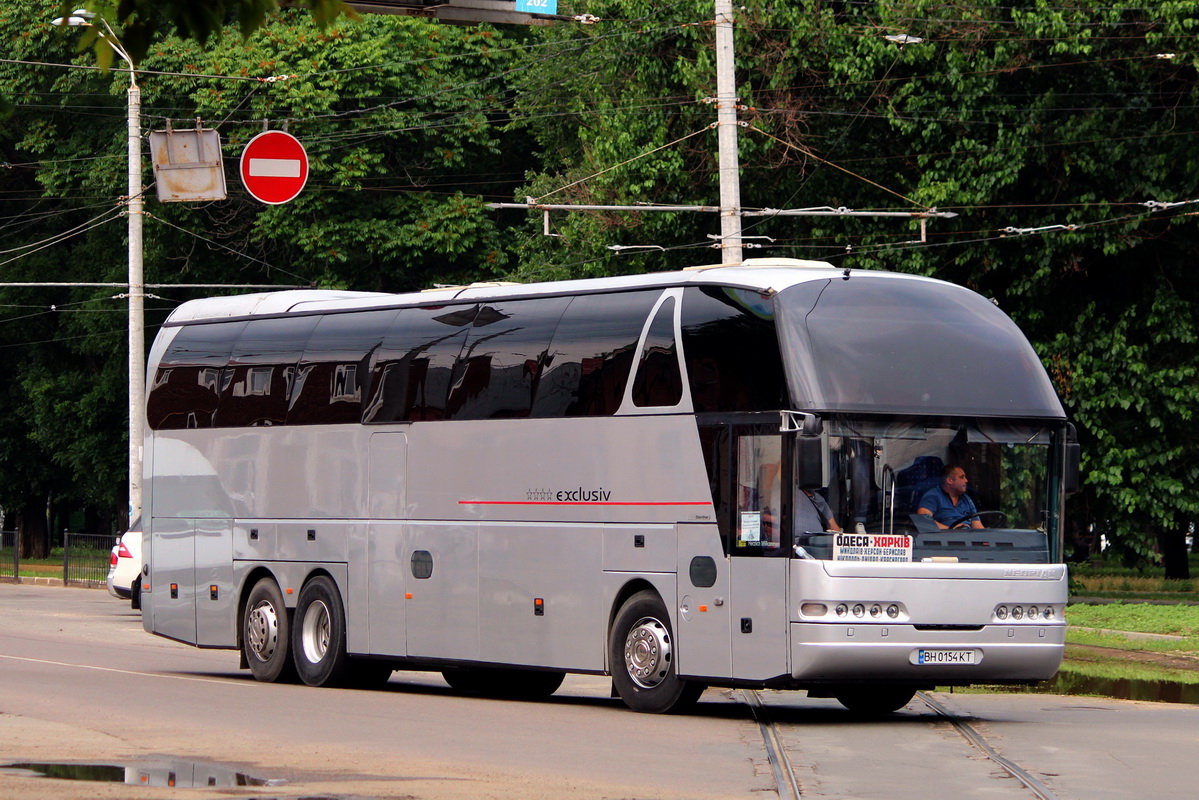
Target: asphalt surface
[{"x": 81, "y": 682}]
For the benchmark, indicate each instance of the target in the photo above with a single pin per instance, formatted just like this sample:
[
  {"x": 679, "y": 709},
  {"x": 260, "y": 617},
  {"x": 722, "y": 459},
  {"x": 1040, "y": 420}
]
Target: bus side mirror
[
  {"x": 801, "y": 422},
  {"x": 809, "y": 463},
  {"x": 1070, "y": 472}
]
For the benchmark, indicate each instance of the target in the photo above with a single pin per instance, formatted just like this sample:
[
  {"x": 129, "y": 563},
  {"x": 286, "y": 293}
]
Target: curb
[
  {"x": 46, "y": 581},
  {"x": 1132, "y": 635},
  {"x": 1103, "y": 601}
]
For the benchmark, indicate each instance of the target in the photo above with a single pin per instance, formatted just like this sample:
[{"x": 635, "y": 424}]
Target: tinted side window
[
  {"x": 257, "y": 383},
  {"x": 411, "y": 377},
  {"x": 333, "y": 378},
  {"x": 715, "y": 439},
  {"x": 591, "y": 355},
  {"x": 658, "y": 382},
  {"x": 499, "y": 369},
  {"x": 186, "y": 385},
  {"x": 731, "y": 350}
]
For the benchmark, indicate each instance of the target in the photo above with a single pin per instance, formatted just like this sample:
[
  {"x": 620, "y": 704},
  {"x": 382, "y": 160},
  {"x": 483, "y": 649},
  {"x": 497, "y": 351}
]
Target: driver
[{"x": 948, "y": 504}]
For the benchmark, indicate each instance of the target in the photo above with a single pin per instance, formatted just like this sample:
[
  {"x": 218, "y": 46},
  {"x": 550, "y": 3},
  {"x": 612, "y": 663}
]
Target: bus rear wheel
[
  {"x": 319, "y": 634},
  {"x": 641, "y": 656},
  {"x": 875, "y": 700},
  {"x": 265, "y": 634}
]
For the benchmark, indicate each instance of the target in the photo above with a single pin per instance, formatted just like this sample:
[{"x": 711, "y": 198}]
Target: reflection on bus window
[{"x": 759, "y": 492}]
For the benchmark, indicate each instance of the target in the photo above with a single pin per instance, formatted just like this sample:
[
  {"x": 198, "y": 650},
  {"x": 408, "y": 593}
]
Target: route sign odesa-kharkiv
[{"x": 274, "y": 167}]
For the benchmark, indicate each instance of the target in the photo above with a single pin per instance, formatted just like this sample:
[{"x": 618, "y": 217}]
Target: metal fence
[
  {"x": 10, "y": 555},
  {"x": 85, "y": 558}
]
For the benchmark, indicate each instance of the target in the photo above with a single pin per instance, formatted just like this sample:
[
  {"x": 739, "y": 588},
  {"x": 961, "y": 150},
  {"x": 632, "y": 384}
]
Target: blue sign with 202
[{"x": 537, "y": 6}]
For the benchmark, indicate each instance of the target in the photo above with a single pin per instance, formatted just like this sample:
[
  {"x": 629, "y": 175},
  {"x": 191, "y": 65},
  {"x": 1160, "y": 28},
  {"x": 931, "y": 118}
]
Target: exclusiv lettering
[{"x": 582, "y": 495}]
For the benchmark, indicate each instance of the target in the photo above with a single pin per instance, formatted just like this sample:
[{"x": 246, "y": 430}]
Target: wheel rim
[
  {"x": 647, "y": 652},
  {"x": 262, "y": 630},
  {"x": 314, "y": 633}
]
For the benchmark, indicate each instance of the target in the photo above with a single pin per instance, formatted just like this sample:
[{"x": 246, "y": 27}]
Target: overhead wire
[
  {"x": 352, "y": 136},
  {"x": 221, "y": 246},
  {"x": 34, "y": 247}
]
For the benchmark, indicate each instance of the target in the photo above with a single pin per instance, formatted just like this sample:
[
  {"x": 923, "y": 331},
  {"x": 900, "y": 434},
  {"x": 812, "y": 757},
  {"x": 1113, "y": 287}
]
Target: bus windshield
[
  {"x": 875, "y": 345},
  {"x": 919, "y": 491}
]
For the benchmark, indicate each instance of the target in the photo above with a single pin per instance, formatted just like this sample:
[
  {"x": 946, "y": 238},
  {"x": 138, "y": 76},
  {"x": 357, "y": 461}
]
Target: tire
[
  {"x": 265, "y": 634},
  {"x": 524, "y": 684},
  {"x": 641, "y": 658},
  {"x": 135, "y": 594},
  {"x": 366, "y": 673},
  {"x": 464, "y": 680},
  {"x": 874, "y": 700},
  {"x": 318, "y": 635}
]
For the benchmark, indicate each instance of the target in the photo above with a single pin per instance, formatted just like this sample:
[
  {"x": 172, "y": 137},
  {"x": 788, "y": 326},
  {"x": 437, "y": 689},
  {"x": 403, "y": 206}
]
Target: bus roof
[{"x": 762, "y": 274}]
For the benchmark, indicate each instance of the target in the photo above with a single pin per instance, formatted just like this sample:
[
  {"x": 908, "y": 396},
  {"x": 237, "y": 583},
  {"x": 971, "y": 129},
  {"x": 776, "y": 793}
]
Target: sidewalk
[{"x": 40, "y": 580}]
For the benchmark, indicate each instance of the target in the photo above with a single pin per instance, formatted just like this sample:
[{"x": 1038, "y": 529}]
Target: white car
[{"x": 125, "y": 566}]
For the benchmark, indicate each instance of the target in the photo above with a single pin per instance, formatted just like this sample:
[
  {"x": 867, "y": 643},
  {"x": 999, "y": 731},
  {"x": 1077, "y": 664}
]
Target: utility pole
[
  {"x": 726, "y": 132},
  {"x": 82, "y": 18},
  {"x": 137, "y": 299},
  {"x": 729, "y": 166}
]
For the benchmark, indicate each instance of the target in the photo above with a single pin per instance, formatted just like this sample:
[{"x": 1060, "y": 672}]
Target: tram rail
[{"x": 783, "y": 770}]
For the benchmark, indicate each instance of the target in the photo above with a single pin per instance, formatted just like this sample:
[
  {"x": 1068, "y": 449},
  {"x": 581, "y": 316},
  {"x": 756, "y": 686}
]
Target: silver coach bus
[{"x": 702, "y": 478}]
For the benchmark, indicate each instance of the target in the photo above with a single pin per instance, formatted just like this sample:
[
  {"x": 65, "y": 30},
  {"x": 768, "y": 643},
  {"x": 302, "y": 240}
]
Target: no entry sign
[{"x": 274, "y": 167}]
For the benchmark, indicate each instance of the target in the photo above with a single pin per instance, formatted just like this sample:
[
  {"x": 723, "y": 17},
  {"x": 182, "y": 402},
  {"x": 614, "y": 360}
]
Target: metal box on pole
[{"x": 187, "y": 165}]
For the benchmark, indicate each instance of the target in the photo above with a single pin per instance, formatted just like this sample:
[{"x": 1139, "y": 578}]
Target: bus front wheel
[
  {"x": 265, "y": 634},
  {"x": 641, "y": 656},
  {"x": 875, "y": 700},
  {"x": 319, "y": 634}
]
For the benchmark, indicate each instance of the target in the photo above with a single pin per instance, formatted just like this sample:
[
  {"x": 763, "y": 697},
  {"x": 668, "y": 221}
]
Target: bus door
[
  {"x": 442, "y": 601},
  {"x": 216, "y": 600},
  {"x": 171, "y": 551},
  {"x": 384, "y": 560},
  {"x": 758, "y": 547}
]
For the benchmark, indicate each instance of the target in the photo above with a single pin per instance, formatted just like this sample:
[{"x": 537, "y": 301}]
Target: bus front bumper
[{"x": 836, "y": 653}]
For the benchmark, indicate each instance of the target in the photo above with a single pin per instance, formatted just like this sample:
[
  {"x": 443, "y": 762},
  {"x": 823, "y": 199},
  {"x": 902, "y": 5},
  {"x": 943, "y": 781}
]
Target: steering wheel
[{"x": 960, "y": 520}]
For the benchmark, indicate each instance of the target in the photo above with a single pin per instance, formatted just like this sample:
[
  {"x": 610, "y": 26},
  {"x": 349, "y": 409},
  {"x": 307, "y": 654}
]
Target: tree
[
  {"x": 1059, "y": 119},
  {"x": 402, "y": 119},
  {"x": 143, "y": 22}
]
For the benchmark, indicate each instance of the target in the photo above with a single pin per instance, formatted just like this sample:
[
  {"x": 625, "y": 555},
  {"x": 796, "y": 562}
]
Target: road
[{"x": 81, "y": 682}]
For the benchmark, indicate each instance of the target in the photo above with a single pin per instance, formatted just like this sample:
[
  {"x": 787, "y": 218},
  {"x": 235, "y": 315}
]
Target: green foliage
[
  {"x": 1061, "y": 119},
  {"x": 1173, "y": 620},
  {"x": 142, "y": 22},
  {"x": 1046, "y": 126},
  {"x": 398, "y": 116}
]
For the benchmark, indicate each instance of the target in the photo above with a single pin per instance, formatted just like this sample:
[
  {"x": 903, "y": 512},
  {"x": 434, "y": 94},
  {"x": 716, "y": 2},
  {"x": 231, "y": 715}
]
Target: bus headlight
[
  {"x": 1017, "y": 612},
  {"x": 871, "y": 610}
]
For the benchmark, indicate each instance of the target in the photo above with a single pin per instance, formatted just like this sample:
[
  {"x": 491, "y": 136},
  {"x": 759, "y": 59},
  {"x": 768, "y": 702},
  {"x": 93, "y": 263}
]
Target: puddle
[
  {"x": 1073, "y": 683},
  {"x": 177, "y": 774}
]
